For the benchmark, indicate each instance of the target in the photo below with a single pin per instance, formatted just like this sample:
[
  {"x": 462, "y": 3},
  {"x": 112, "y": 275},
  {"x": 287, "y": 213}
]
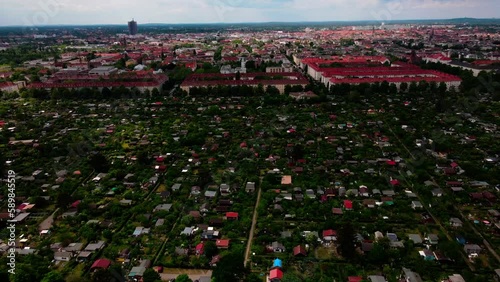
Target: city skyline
[{"x": 61, "y": 12}]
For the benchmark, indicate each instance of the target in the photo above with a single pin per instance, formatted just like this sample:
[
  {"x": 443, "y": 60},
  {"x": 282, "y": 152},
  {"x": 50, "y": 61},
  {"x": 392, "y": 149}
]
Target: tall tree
[
  {"x": 210, "y": 249},
  {"x": 230, "y": 267},
  {"x": 102, "y": 275},
  {"x": 347, "y": 240},
  {"x": 99, "y": 162},
  {"x": 403, "y": 87},
  {"x": 183, "y": 278},
  {"x": 150, "y": 275}
]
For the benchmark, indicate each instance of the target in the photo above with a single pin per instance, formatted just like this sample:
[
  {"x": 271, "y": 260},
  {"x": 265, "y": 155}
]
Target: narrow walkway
[
  {"x": 254, "y": 222},
  {"x": 47, "y": 223}
]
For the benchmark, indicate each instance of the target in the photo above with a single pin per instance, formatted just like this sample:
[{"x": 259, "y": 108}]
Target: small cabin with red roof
[
  {"x": 101, "y": 263},
  {"x": 222, "y": 243},
  {"x": 75, "y": 204},
  {"x": 275, "y": 275},
  {"x": 348, "y": 204},
  {"x": 299, "y": 250},
  {"x": 200, "y": 248},
  {"x": 232, "y": 216},
  {"x": 329, "y": 235}
]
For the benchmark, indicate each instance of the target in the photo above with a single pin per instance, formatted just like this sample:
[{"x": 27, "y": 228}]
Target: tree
[
  {"x": 379, "y": 254},
  {"x": 89, "y": 233},
  {"x": 155, "y": 92},
  {"x": 63, "y": 199},
  {"x": 271, "y": 90},
  {"x": 413, "y": 87},
  {"x": 106, "y": 93},
  {"x": 102, "y": 275},
  {"x": 210, "y": 249},
  {"x": 290, "y": 277},
  {"x": 354, "y": 96},
  {"x": 423, "y": 86},
  {"x": 393, "y": 88},
  {"x": 346, "y": 240},
  {"x": 150, "y": 275},
  {"x": 53, "y": 276},
  {"x": 230, "y": 267},
  {"x": 253, "y": 277},
  {"x": 403, "y": 87},
  {"x": 250, "y": 65},
  {"x": 384, "y": 87},
  {"x": 442, "y": 88},
  {"x": 183, "y": 278},
  {"x": 99, "y": 163},
  {"x": 312, "y": 239}
]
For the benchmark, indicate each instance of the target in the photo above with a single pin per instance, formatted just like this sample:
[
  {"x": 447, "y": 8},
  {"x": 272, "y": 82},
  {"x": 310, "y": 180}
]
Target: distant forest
[{"x": 156, "y": 28}]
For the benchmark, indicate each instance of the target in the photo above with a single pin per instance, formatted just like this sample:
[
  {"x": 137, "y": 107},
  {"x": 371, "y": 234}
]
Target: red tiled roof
[
  {"x": 484, "y": 62},
  {"x": 233, "y": 59},
  {"x": 98, "y": 84},
  {"x": 440, "y": 57},
  {"x": 6, "y": 84},
  {"x": 336, "y": 210},
  {"x": 348, "y": 204},
  {"x": 76, "y": 203},
  {"x": 251, "y": 79},
  {"x": 101, "y": 263},
  {"x": 200, "y": 248},
  {"x": 276, "y": 274},
  {"x": 232, "y": 215},
  {"x": 299, "y": 250},
  {"x": 222, "y": 243},
  {"x": 329, "y": 233},
  {"x": 394, "y": 182},
  {"x": 395, "y": 79}
]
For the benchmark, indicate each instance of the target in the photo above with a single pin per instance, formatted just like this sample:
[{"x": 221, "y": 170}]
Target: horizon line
[{"x": 257, "y": 22}]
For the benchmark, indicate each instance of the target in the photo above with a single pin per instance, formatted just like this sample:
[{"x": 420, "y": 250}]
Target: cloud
[{"x": 203, "y": 11}]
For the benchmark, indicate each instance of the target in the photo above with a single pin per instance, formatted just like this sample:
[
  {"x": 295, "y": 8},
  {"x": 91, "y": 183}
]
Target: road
[
  {"x": 47, "y": 223},
  {"x": 254, "y": 222}
]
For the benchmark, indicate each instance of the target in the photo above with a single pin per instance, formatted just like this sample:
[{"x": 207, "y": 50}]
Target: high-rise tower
[{"x": 132, "y": 27}]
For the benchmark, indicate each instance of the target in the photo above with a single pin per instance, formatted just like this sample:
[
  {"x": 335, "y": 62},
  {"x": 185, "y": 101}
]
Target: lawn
[{"x": 325, "y": 253}]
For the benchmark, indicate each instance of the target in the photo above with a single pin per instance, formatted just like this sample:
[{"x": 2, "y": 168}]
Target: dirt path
[
  {"x": 194, "y": 274},
  {"x": 47, "y": 223},
  {"x": 252, "y": 229}
]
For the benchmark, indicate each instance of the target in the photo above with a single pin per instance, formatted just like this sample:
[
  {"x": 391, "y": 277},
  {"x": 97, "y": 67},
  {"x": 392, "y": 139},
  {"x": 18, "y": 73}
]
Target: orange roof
[
  {"x": 222, "y": 243},
  {"x": 286, "y": 180}
]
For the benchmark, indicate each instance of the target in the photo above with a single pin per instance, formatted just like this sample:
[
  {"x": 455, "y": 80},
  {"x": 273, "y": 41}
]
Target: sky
[{"x": 48, "y": 12}]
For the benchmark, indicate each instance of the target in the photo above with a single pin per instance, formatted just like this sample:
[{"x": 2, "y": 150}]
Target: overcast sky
[{"x": 40, "y": 12}]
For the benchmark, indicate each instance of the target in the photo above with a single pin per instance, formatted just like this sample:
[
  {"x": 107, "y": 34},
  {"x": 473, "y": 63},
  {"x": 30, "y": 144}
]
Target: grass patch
[
  {"x": 324, "y": 253},
  {"x": 161, "y": 188}
]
